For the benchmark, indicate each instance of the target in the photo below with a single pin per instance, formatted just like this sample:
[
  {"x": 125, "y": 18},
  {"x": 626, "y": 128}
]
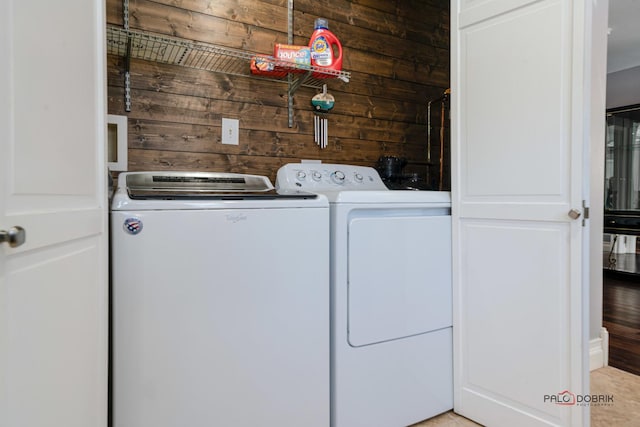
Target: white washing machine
[
  {"x": 391, "y": 315},
  {"x": 220, "y": 303}
]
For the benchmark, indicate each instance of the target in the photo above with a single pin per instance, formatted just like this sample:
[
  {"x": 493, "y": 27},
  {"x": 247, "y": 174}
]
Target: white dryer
[
  {"x": 391, "y": 333},
  {"x": 220, "y": 303}
]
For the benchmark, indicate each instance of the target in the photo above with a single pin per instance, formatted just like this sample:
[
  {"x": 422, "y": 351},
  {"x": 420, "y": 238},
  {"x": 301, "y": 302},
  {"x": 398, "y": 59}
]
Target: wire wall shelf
[{"x": 204, "y": 56}]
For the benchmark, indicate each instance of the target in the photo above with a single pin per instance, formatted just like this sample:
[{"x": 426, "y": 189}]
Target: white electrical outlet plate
[{"x": 230, "y": 129}]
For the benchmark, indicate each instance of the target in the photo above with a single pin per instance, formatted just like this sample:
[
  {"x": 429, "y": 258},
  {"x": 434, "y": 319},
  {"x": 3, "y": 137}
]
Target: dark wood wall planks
[{"x": 397, "y": 52}]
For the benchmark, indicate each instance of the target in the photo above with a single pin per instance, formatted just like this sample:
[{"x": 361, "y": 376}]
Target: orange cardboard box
[
  {"x": 299, "y": 55},
  {"x": 263, "y": 65}
]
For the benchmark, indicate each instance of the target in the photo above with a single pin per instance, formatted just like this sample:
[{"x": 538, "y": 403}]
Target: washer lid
[
  {"x": 203, "y": 190},
  {"x": 157, "y": 185}
]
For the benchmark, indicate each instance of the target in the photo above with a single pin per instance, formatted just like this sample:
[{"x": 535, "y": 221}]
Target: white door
[
  {"x": 53, "y": 288},
  {"x": 520, "y": 108}
]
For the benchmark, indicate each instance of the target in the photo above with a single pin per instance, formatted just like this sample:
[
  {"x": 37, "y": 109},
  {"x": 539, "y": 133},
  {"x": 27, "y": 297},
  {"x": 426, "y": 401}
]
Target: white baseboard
[{"x": 599, "y": 351}]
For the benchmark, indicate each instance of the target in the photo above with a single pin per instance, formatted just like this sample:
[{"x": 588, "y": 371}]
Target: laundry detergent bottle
[{"x": 326, "y": 50}]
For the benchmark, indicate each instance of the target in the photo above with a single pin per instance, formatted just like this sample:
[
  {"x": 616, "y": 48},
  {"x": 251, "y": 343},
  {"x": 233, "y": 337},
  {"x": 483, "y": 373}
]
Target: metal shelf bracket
[{"x": 127, "y": 60}]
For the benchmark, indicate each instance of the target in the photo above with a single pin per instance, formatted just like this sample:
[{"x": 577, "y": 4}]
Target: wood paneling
[{"x": 397, "y": 52}]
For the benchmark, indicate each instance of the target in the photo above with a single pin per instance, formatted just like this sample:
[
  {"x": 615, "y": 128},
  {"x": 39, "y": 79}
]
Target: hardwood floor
[{"x": 621, "y": 317}]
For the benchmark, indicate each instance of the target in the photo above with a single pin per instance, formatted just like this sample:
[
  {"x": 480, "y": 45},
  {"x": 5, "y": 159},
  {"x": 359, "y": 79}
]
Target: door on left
[{"x": 53, "y": 287}]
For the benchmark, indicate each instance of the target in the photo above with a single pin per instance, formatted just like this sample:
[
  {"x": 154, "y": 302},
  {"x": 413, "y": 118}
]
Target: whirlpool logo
[{"x": 236, "y": 217}]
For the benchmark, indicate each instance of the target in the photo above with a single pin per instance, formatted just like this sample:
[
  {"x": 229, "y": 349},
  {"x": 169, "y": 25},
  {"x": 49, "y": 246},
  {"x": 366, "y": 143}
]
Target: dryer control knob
[
  {"x": 301, "y": 175},
  {"x": 338, "y": 177},
  {"x": 317, "y": 176},
  {"x": 358, "y": 177}
]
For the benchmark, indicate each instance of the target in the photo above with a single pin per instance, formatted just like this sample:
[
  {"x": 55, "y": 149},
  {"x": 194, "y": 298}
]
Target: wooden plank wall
[{"x": 397, "y": 52}]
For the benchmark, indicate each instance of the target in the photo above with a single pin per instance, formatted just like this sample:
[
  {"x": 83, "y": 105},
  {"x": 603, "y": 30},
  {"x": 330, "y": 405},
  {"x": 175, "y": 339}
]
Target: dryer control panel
[{"x": 325, "y": 177}]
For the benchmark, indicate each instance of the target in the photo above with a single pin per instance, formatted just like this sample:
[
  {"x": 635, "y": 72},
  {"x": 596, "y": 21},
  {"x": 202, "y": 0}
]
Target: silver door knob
[
  {"x": 574, "y": 214},
  {"x": 15, "y": 236}
]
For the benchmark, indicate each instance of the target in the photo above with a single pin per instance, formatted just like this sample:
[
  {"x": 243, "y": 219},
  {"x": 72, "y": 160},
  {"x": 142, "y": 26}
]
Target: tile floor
[
  {"x": 624, "y": 412},
  {"x": 625, "y": 388}
]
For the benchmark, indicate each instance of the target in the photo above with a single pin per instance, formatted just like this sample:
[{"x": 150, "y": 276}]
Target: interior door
[
  {"x": 520, "y": 109},
  {"x": 53, "y": 287}
]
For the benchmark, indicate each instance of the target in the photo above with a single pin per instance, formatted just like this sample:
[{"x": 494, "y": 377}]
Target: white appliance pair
[
  {"x": 391, "y": 295},
  {"x": 223, "y": 296}
]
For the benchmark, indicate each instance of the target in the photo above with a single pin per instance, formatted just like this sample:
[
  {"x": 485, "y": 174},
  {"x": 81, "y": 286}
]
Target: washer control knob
[
  {"x": 317, "y": 176},
  {"x": 301, "y": 175},
  {"x": 338, "y": 177},
  {"x": 358, "y": 177}
]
